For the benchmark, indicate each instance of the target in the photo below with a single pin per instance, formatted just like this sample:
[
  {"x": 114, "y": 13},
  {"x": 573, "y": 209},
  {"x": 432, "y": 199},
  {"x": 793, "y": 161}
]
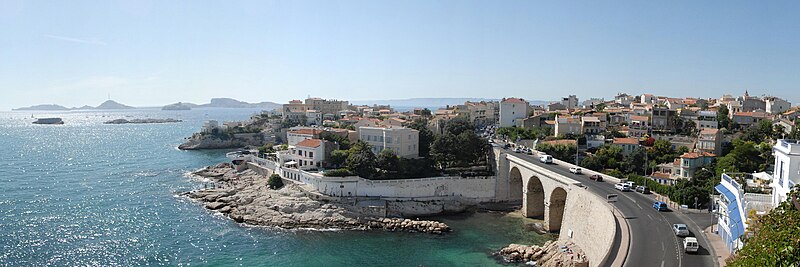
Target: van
[
  {"x": 690, "y": 245},
  {"x": 547, "y": 159}
]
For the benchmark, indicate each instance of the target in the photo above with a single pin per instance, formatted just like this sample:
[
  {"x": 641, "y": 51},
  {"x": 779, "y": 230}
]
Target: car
[
  {"x": 630, "y": 184},
  {"x": 596, "y": 177},
  {"x": 529, "y": 151},
  {"x": 622, "y": 187},
  {"x": 506, "y": 146},
  {"x": 517, "y": 150},
  {"x": 547, "y": 159},
  {"x": 642, "y": 189},
  {"x": 575, "y": 170},
  {"x": 680, "y": 229},
  {"x": 690, "y": 245},
  {"x": 660, "y": 206}
]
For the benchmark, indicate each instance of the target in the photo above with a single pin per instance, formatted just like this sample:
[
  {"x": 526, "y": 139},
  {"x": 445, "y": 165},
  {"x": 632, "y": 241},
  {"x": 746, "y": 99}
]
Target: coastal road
[{"x": 652, "y": 242}]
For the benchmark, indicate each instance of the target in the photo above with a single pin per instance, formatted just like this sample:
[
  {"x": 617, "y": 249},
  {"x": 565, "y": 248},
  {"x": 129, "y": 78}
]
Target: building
[
  {"x": 710, "y": 141},
  {"x": 748, "y": 119},
  {"x": 483, "y": 113},
  {"x": 639, "y": 126},
  {"x": 403, "y": 141},
  {"x": 570, "y": 102},
  {"x": 309, "y": 154},
  {"x": 591, "y": 125},
  {"x": 706, "y": 119},
  {"x": 326, "y": 107},
  {"x": 692, "y": 161},
  {"x": 298, "y": 135},
  {"x": 567, "y": 125},
  {"x": 211, "y": 127},
  {"x": 648, "y": 99},
  {"x": 592, "y": 103},
  {"x": 776, "y": 105},
  {"x": 787, "y": 169},
  {"x": 663, "y": 119},
  {"x": 294, "y": 111},
  {"x": 512, "y": 109},
  {"x": 734, "y": 206},
  {"x": 628, "y": 145}
]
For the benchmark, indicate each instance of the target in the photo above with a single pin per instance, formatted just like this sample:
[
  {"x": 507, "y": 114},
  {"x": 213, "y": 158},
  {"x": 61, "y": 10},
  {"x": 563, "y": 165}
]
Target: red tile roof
[
  {"x": 640, "y": 118},
  {"x": 626, "y": 141},
  {"x": 514, "y": 100},
  {"x": 306, "y": 131},
  {"x": 694, "y": 155},
  {"x": 310, "y": 143}
]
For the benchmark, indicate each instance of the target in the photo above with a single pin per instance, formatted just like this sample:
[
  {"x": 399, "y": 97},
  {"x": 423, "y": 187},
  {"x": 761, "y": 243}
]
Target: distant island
[
  {"x": 109, "y": 104},
  {"x": 141, "y": 121},
  {"x": 179, "y": 106},
  {"x": 44, "y": 107},
  {"x": 113, "y": 105}
]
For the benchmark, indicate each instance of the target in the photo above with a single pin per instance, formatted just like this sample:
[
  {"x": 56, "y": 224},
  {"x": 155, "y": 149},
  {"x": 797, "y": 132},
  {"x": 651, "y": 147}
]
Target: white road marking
[{"x": 662, "y": 263}]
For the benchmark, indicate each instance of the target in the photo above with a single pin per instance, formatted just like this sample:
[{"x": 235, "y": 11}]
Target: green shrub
[
  {"x": 275, "y": 181},
  {"x": 338, "y": 173}
]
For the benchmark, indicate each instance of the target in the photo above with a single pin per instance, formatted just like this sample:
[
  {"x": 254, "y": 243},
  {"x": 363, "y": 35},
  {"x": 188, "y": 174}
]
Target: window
[
  {"x": 310, "y": 154},
  {"x": 389, "y": 139}
]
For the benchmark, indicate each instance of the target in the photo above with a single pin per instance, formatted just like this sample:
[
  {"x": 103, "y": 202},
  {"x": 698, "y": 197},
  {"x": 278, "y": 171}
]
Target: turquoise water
[{"x": 85, "y": 193}]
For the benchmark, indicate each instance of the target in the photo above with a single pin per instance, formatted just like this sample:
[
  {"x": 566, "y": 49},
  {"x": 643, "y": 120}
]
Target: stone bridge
[{"x": 543, "y": 193}]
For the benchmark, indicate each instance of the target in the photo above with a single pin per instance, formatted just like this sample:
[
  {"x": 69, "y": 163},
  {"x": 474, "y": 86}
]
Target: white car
[
  {"x": 690, "y": 244},
  {"x": 630, "y": 184},
  {"x": 547, "y": 159},
  {"x": 622, "y": 187},
  {"x": 575, "y": 170},
  {"x": 680, "y": 229}
]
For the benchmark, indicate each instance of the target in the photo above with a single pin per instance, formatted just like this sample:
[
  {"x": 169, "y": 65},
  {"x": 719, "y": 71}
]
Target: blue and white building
[
  {"x": 787, "y": 169},
  {"x": 730, "y": 212}
]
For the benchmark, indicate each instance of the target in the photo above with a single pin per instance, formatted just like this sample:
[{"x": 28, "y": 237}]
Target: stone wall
[{"x": 589, "y": 223}]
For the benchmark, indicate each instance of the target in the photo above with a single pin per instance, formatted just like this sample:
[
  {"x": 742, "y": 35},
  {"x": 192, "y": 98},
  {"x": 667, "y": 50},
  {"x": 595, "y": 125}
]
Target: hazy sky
[{"x": 76, "y": 53}]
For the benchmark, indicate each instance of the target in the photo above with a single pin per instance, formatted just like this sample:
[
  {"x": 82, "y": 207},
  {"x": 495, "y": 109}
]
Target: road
[{"x": 652, "y": 240}]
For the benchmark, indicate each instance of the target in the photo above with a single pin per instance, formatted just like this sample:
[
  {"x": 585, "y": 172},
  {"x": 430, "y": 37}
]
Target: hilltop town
[{"x": 728, "y": 153}]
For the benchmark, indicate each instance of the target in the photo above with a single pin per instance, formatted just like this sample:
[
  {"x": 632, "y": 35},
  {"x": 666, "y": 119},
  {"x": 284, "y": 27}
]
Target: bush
[
  {"x": 275, "y": 181},
  {"x": 337, "y": 173}
]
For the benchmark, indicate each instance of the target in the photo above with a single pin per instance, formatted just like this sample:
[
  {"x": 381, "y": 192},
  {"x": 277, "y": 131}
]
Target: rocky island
[
  {"x": 178, "y": 106},
  {"x": 246, "y": 198},
  {"x": 141, "y": 121}
]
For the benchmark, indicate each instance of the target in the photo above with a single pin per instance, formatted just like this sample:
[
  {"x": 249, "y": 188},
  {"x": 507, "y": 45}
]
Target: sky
[{"x": 151, "y": 53}]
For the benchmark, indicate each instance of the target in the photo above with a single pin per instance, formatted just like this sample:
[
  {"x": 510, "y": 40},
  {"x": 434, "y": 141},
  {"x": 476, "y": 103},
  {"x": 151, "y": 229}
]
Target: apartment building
[
  {"x": 403, "y": 141},
  {"x": 512, "y": 109}
]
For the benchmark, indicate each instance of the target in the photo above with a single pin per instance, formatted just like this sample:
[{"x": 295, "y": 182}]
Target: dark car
[
  {"x": 596, "y": 177},
  {"x": 660, "y": 206},
  {"x": 642, "y": 189}
]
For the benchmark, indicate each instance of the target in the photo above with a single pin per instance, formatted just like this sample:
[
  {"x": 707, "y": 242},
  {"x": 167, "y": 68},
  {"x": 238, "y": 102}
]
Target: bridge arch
[
  {"x": 555, "y": 214},
  {"x": 533, "y": 201},
  {"x": 515, "y": 185}
]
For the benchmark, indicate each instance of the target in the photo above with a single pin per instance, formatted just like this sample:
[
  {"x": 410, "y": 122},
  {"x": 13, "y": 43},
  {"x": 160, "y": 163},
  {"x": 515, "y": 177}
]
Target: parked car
[
  {"x": 630, "y": 184},
  {"x": 529, "y": 151},
  {"x": 643, "y": 189},
  {"x": 596, "y": 177},
  {"x": 517, "y": 150},
  {"x": 547, "y": 159},
  {"x": 680, "y": 229},
  {"x": 506, "y": 146},
  {"x": 575, "y": 170},
  {"x": 690, "y": 245},
  {"x": 622, "y": 187},
  {"x": 660, "y": 206}
]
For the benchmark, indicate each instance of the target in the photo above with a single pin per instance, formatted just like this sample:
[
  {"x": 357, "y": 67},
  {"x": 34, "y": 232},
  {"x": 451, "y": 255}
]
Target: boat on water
[{"x": 49, "y": 121}]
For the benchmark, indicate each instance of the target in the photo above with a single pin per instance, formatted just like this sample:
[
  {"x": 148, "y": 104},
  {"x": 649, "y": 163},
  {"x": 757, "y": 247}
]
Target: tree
[
  {"x": 343, "y": 142},
  {"x": 361, "y": 160},
  {"x": 388, "y": 163},
  {"x": 275, "y": 181},
  {"x": 444, "y": 150},
  {"x": 458, "y": 125},
  {"x": 634, "y": 163},
  {"x": 723, "y": 118},
  {"x": 775, "y": 239},
  {"x": 744, "y": 157},
  {"x": 338, "y": 157},
  {"x": 426, "y": 136},
  {"x": 662, "y": 151}
]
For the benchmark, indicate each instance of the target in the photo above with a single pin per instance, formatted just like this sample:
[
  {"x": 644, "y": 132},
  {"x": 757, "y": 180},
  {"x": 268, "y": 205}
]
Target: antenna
[{"x": 109, "y": 96}]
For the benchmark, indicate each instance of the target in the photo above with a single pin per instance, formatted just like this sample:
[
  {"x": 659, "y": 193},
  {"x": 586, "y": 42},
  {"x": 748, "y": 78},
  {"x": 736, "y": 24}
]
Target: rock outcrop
[
  {"x": 205, "y": 141},
  {"x": 551, "y": 254},
  {"x": 246, "y": 198}
]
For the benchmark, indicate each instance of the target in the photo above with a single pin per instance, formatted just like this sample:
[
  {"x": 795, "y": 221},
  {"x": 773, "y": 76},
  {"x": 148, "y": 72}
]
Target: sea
[{"x": 91, "y": 194}]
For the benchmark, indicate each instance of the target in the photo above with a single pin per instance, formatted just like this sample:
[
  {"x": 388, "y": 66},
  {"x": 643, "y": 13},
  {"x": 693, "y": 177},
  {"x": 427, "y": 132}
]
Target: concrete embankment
[{"x": 246, "y": 198}]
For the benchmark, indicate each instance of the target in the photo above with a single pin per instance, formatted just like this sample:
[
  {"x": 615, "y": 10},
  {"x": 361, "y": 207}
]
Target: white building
[
  {"x": 512, "y": 109},
  {"x": 734, "y": 205},
  {"x": 210, "y": 126},
  {"x": 308, "y": 154},
  {"x": 403, "y": 141},
  {"x": 787, "y": 169}
]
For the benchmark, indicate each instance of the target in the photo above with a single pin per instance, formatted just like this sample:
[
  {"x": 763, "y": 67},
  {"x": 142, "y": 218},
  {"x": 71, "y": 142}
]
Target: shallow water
[{"x": 85, "y": 193}]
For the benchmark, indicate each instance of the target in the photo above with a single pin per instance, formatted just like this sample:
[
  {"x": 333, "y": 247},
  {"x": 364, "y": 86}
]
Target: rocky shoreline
[
  {"x": 551, "y": 254},
  {"x": 199, "y": 141},
  {"x": 245, "y": 198}
]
